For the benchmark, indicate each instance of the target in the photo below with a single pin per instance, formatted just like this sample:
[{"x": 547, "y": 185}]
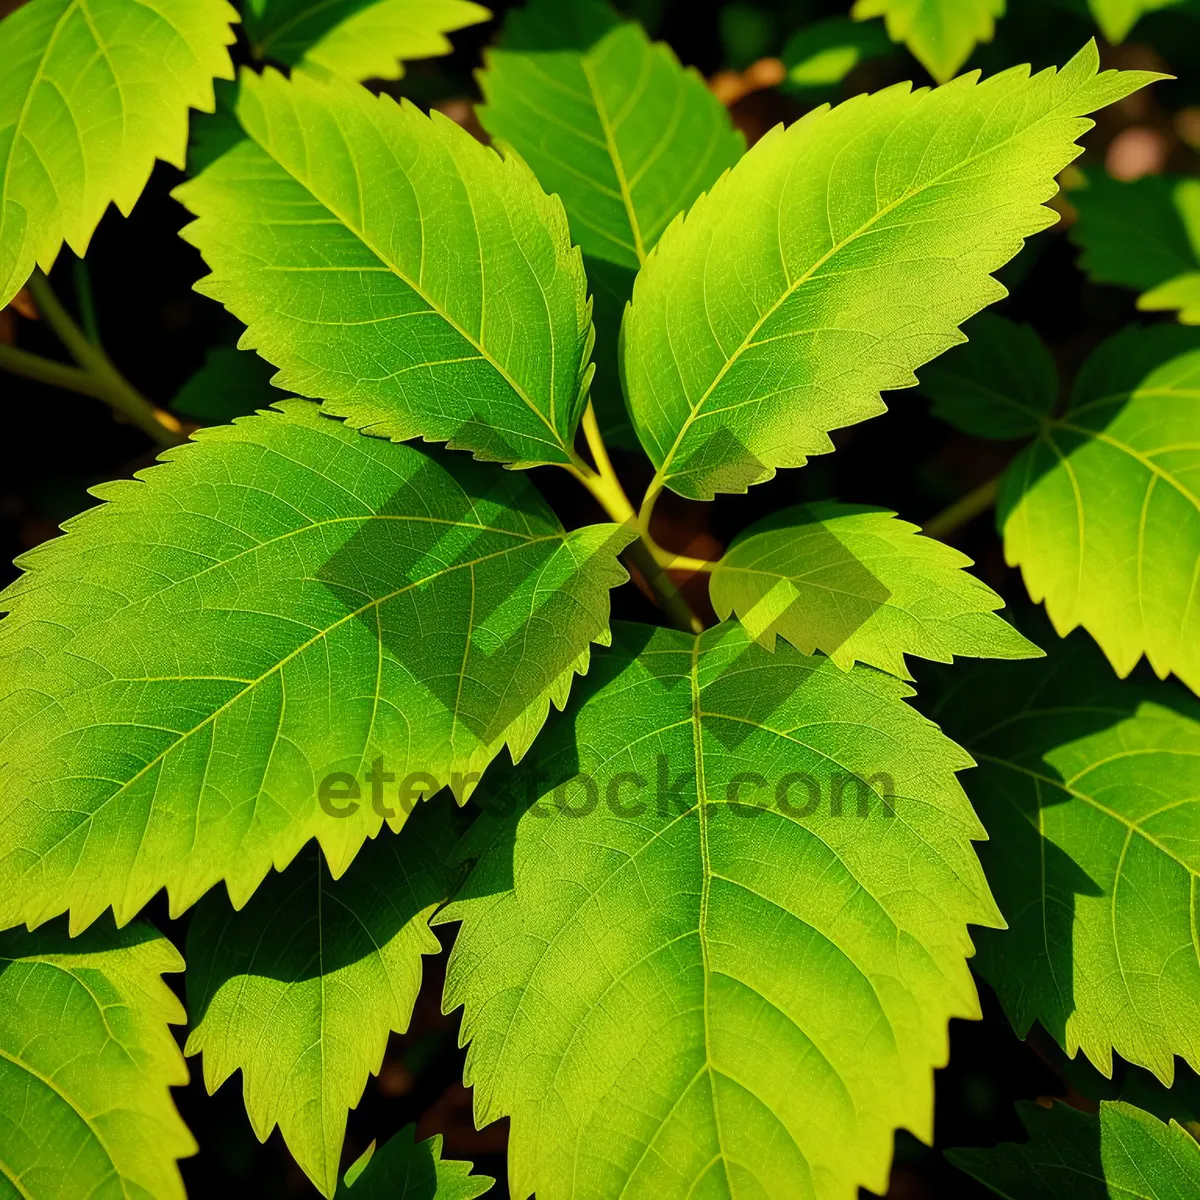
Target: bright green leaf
[
  {"x": 360, "y": 39},
  {"x": 1090, "y": 791},
  {"x": 90, "y": 95},
  {"x": 607, "y": 120},
  {"x": 1181, "y": 294},
  {"x": 940, "y": 33},
  {"x": 1102, "y": 512},
  {"x": 1003, "y": 383},
  {"x": 1143, "y": 235},
  {"x": 301, "y": 988},
  {"x": 860, "y": 585},
  {"x": 820, "y": 55},
  {"x": 393, "y": 267},
  {"x": 86, "y": 1061},
  {"x": 839, "y": 255},
  {"x": 232, "y": 383},
  {"x": 731, "y": 987},
  {"x": 405, "y": 1169},
  {"x": 283, "y": 600},
  {"x": 1122, "y": 1154},
  {"x": 1117, "y": 18}
]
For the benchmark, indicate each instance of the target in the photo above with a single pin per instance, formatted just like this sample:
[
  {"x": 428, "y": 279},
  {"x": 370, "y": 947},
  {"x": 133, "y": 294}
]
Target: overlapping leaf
[
  {"x": 1090, "y": 791},
  {"x": 835, "y": 258},
  {"x": 1003, "y": 383},
  {"x": 405, "y": 1169},
  {"x": 689, "y": 968},
  {"x": 86, "y": 1063},
  {"x": 860, "y": 585},
  {"x": 393, "y": 267},
  {"x": 360, "y": 39},
  {"x": 1121, "y": 1154},
  {"x": 940, "y": 33},
  {"x": 90, "y": 95},
  {"x": 284, "y": 600},
  {"x": 615, "y": 126},
  {"x": 1102, "y": 512},
  {"x": 301, "y": 988},
  {"x": 1143, "y": 235}
]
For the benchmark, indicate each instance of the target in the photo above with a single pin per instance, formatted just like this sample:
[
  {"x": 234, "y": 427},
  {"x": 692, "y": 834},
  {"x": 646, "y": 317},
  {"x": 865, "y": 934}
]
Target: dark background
[{"x": 157, "y": 330}]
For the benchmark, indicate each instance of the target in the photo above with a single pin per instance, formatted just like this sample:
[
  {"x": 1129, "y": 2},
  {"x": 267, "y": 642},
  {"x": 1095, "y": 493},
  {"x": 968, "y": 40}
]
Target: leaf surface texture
[
  {"x": 679, "y": 986},
  {"x": 282, "y": 600}
]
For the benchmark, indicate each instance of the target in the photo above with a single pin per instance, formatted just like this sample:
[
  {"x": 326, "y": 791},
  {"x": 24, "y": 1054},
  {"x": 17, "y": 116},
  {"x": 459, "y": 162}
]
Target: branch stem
[
  {"x": 651, "y": 560},
  {"x": 104, "y": 380},
  {"x": 964, "y": 510}
]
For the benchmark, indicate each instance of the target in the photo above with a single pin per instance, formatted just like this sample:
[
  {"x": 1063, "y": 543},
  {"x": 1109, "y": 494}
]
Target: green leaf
[
  {"x": 342, "y": 961},
  {"x": 855, "y": 583},
  {"x": 1117, "y": 18},
  {"x": 286, "y": 599},
  {"x": 838, "y": 256},
  {"x": 607, "y": 120},
  {"x": 405, "y": 1169},
  {"x": 359, "y": 39},
  {"x": 820, "y": 55},
  {"x": 1102, "y": 512},
  {"x": 90, "y": 95},
  {"x": 731, "y": 987},
  {"x": 1123, "y": 1154},
  {"x": 1090, "y": 791},
  {"x": 1181, "y": 294},
  {"x": 1002, "y": 384},
  {"x": 1142, "y": 235},
  {"x": 940, "y": 33},
  {"x": 317, "y": 231},
  {"x": 86, "y": 1061},
  {"x": 232, "y": 383}
]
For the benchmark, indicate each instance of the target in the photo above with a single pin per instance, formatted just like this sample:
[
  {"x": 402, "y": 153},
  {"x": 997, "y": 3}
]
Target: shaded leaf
[
  {"x": 680, "y": 988},
  {"x": 1090, "y": 791},
  {"x": 860, "y": 585},
  {"x": 1143, "y": 235},
  {"x": 232, "y": 383},
  {"x": 940, "y": 33},
  {"x": 393, "y": 267},
  {"x": 283, "y": 600},
  {"x": 1002, "y": 384},
  {"x": 1102, "y": 512},
  {"x": 90, "y": 95},
  {"x": 838, "y": 256},
  {"x": 405, "y": 1169},
  {"x": 86, "y": 1063},
  {"x": 1121, "y": 1154},
  {"x": 607, "y": 120},
  {"x": 301, "y": 988}
]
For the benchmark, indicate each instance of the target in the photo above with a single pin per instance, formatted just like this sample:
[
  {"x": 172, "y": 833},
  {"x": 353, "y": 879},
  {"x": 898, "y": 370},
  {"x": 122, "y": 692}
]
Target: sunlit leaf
[{"x": 940, "y": 33}]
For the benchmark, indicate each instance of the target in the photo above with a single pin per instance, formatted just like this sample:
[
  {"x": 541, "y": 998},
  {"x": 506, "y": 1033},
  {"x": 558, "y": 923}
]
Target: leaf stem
[
  {"x": 104, "y": 381},
  {"x": 966, "y": 509},
  {"x": 651, "y": 560}
]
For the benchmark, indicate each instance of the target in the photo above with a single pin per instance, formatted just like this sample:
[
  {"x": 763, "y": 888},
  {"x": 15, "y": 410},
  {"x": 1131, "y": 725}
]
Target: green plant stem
[
  {"x": 976, "y": 501},
  {"x": 651, "y": 560},
  {"x": 105, "y": 381},
  {"x": 46, "y": 370}
]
